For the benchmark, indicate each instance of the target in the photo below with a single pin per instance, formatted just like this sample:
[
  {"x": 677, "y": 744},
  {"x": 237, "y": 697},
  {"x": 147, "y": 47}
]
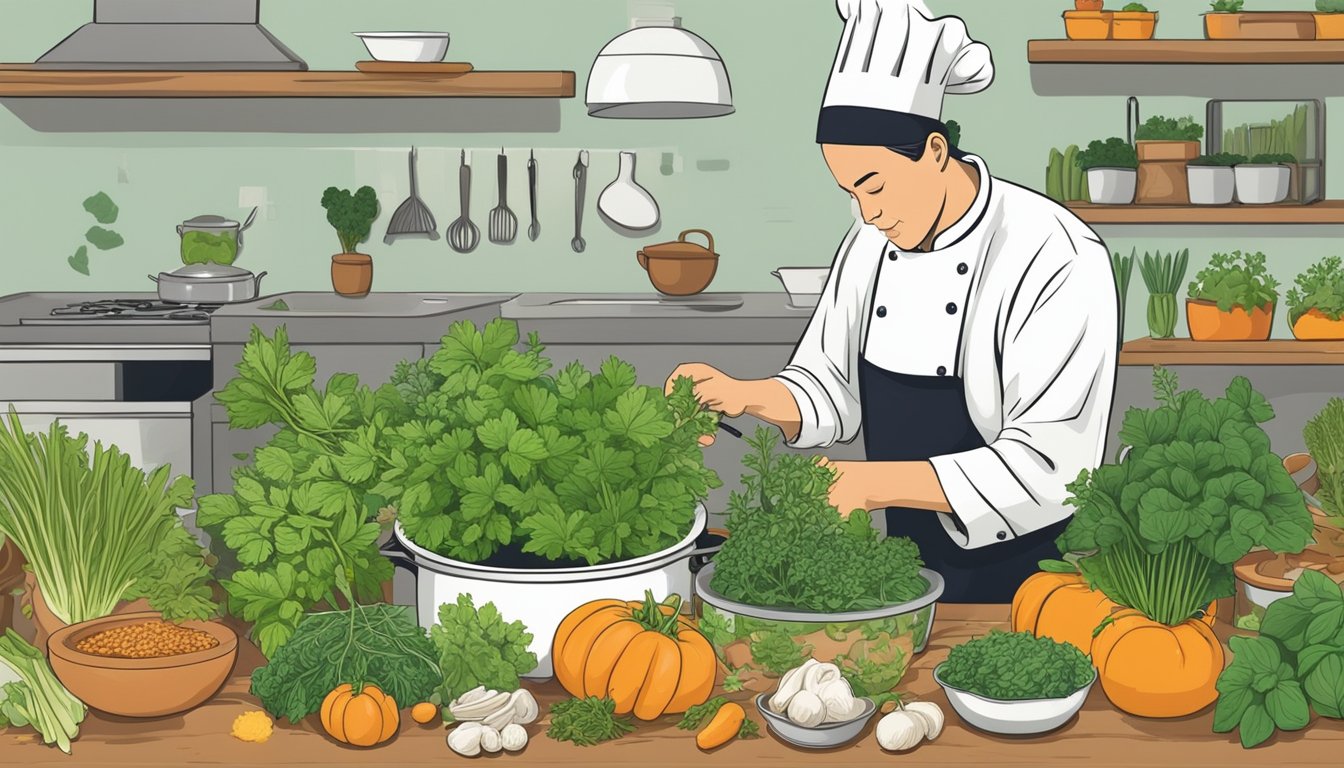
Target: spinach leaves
[{"x": 1013, "y": 666}]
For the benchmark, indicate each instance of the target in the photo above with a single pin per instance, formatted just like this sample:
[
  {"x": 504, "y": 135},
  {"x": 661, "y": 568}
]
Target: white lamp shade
[{"x": 662, "y": 72}]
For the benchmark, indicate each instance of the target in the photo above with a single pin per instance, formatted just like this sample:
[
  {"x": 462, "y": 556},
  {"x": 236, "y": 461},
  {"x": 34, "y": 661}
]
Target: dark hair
[{"x": 915, "y": 151}]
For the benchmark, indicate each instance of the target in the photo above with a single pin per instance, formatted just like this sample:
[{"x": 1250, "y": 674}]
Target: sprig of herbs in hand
[
  {"x": 1235, "y": 280},
  {"x": 586, "y": 722}
]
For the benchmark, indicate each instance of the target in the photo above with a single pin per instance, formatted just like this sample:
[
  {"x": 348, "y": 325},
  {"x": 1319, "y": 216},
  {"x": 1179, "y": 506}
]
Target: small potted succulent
[
  {"x": 1329, "y": 19},
  {"x": 1211, "y": 178},
  {"x": 1165, "y": 145},
  {"x": 1088, "y": 21},
  {"x": 1266, "y": 179},
  {"x": 352, "y": 216},
  {"x": 1162, "y": 275},
  {"x": 1134, "y": 22},
  {"x": 1232, "y": 299},
  {"x": 1316, "y": 303},
  {"x": 1112, "y": 174}
]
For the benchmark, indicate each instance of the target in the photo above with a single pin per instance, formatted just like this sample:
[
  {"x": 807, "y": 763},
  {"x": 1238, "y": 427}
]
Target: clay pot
[
  {"x": 1329, "y": 26},
  {"x": 1260, "y": 25},
  {"x": 680, "y": 268},
  {"x": 1208, "y": 323},
  {"x": 48, "y": 624},
  {"x": 1316, "y": 326},
  {"x": 1134, "y": 25},
  {"x": 1088, "y": 25},
  {"x": 352, "y": 274}
]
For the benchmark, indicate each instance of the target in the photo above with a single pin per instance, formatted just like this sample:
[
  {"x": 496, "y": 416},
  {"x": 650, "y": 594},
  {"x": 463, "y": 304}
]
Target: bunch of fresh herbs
[
  {"x": 1227, "y": 6},
  {"x": 351, "y": 215},
  {"x": 37, "y": 698},
  {"x": 1162, "y": 274},
  {"x": 1158, "y": 128},
  {"x": 1195, "y": 491},
  {"x": 1320, "y": 288},
  {"x": 1235, "y": 280},
  {"x": 791, "y": 549},
  {"x": 477, "y": 647},
  {"x": 1324, "y": 436},
  {"x": 1273, "y": 158},
  {"x": 586, "y": 722},
  {"x": 1111, "y": 153},
  {"x": 1294, "y": 666},
  {"x": 1013, "y": 666}
]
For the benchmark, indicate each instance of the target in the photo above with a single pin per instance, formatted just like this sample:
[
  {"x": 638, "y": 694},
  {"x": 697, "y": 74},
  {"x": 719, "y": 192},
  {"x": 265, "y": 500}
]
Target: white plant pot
[
  {"x": 1112, "y": 186},
  {"x": 1211, "y": 184},
  {"x": 542, "y": 598},
  {"x": 1263, "y": 184}
]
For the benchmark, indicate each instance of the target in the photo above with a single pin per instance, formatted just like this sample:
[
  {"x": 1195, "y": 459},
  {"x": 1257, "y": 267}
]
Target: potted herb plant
[
  {"x": 1163, "y": 276},
  {"x": 796, "y": 580},
  {"x": 1329, "y": 19},
  {"x": 1232, "y": 299},
  {"x": 1316, "y": 303},
  {"x": 352, "y": 216},
  {"x": 1211, "y": 178},
  {"x": 1195, "y": 489},
  {"x": 1165, "y": 146},
  {"x": 1228, "y": 21},
  {"x": 1088, "y": 21},
  {"x": 1134, "y": 22},
  {"x": 1266, "y": 179},
  {"x": 1111, "y": 167}
]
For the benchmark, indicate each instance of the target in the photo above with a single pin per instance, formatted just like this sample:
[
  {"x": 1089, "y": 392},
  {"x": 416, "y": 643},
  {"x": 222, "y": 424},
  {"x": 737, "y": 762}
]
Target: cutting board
[{"x": 414, "y": 68}]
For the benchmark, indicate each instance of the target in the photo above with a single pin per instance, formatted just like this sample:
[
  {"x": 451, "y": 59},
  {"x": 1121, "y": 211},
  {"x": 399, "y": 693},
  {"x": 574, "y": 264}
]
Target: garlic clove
[
  {"x": 900, "y": 731},
  {"x": 513, "y": 737},
  {"x": 525, "y": 708},
  {"x": 491, "y": 740},
  {"x": 500, "y": 717},
  {"x": 480, "y": 708},
  {"x": 465, "y": 739},
  {"x": 839, "y": 700},
  {"x": 790, "y": 684},
  {"x": 806, "y": 709},
  {"x": 932, "y": 716}
]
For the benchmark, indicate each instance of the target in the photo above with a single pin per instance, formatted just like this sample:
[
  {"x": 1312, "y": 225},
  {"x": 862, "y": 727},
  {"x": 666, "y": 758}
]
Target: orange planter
[
  {"x": 1133, "y": 25},
  {"x": 1088, "y": 25},
  {"x": 1260, "y": 25},
  {"x": 1208, "y": 323},
  {"x": 1316, "y": 326},
  {"x": 1152, "y": 670},
  {"x": 1330, "y": 26}
]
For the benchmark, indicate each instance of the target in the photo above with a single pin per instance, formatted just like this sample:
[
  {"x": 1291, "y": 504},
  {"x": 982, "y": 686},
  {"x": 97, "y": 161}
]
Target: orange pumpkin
[
  {"x": 1060, "y": 606},
  {"x": 1153, "y": 670},
  {"x": 362, "y": 719},
  {"x": 641, "y": 655}
]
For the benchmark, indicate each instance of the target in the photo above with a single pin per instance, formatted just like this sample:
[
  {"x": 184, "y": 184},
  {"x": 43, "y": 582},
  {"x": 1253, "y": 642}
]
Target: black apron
[{"x": 914, "y": 418}]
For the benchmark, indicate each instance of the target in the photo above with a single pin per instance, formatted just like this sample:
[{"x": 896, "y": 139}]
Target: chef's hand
[
  {"x": 854, "y": 485},
  {"x": 715, "y": 389}
]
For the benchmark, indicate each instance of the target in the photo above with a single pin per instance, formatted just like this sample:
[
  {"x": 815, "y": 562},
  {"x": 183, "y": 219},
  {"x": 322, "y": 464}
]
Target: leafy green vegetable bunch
[
  {"x": 492, "y": 450},
  {"x": 352, "y": 215},
  {"x": 1219, "y": 159},
  {"x": 1235, "y": 280},
  {"x": 1273, "y": 158},
  {"x": 586, "y": 722},
  {"x": 1330, "y": 6},
  {"x": 1227, "y": 6},
  {"x": 477, "y": 647},
  {"x": 1158, "y": 128},
  {"x": 1196, "y": 491},
  {"x": 1320, "y": 288},
  {"x": 36, "y": 698},
  {"x": 1111, "y": 153},
  {"x": 377, "y": 644},
  {"x": 1014, "y": 666},
  {"x": 1324, "y": 436},
  {"x": 1135, "y": 8},
  {"x": 1294, "y": 666},
  {"x": 791, "y": 549}
]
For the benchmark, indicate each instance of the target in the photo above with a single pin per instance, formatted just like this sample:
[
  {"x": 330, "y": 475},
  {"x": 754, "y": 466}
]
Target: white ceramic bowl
[
  {"x": 823, "y": 736},
  {"x": 416, "y": 47},
  {"x": 1014, "y": 718},
  {"x": 803, "y": 284}
]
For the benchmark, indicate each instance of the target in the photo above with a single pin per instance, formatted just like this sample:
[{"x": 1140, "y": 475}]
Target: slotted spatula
[
  {"x": 503, "y": 224},
  {"x": 412, "y": 217}
]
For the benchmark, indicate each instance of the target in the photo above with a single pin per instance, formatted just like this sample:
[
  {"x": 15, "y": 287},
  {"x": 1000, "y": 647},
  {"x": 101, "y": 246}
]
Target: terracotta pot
[
  {"x": 1329, "y": 26},
  {"x": 1208, "y": 323},
  {"x": 1315, "y": 325},
  {"x": 352, "y": 274},
  {"x": 1160, "y": 151},
  {"x": 1260, "y": 25},
  {"x": 142, "y": 687},
  {"x": 680, "y": 268},
  {"x": 48, "y": 623},
  {"x": 1162, "y": 183},
  {"x": 1134, "y": 25},
  {"x": 1303, "y": 470},
  {"x": 1088, "y": 5},
  {"x": 1088, "y": 25}
]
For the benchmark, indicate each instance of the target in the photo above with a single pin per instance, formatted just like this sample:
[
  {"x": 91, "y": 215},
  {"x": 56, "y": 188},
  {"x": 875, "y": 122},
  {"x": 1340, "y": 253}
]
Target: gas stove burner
[{"x": 135, "y": 309}]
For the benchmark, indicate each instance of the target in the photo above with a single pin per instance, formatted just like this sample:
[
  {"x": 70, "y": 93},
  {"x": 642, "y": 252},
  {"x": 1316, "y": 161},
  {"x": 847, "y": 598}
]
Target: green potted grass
[
  {"x": 1211, "y": 178},
  {"x": 1163, "y": 275},
  {"x": 1111, "y": 167}
]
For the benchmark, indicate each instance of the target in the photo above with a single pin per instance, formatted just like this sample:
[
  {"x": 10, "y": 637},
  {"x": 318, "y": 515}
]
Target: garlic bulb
[
  {"x": 819, "y": 676},
  {"x": 900, "y": 731},
  {"x": 931, "y": 714},
  {"x": 525, "y": 709},
  {"x": 806, "y": 709},
  {"x": 513, "y": 737},
  {"x": 789, "y": 685},
  {"x": 465, "y": 739},
  {"x": 838, "y": 698},
  {"x": 491, "y": 740}
]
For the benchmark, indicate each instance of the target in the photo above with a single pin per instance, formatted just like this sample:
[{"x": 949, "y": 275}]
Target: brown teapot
[{"x": 680, "y": 268}]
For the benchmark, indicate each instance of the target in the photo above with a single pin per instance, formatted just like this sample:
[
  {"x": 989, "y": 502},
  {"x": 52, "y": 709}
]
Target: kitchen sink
[
  {"x": 325, "y": 304},
  {"x": 703, "y": 302}
]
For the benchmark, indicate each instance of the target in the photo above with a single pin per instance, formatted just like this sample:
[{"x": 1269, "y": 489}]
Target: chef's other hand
[
  {"x": 715, "y": 389},
  {"x": 851, "y": 489}
]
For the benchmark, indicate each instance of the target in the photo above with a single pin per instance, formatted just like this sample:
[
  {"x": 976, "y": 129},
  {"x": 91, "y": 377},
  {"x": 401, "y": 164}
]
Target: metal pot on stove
[{"x": 208, "y": 284}]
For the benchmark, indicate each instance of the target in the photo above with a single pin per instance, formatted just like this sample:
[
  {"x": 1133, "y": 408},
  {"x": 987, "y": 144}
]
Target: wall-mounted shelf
[
  {"x": 1254, "y": 52},
  {"x": 1324, "y": 212},
  {"x": 20, "y": 81},
  {"x": 1147, "y": 351}
]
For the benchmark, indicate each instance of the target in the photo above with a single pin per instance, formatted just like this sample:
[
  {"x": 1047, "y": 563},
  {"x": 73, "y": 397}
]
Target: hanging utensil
[
  {"x": 503, "y": 224},
  {"x": 625, "y": 203},
  {"x": 412, "y": 217},
  {"x": 463, "y": 236},
  {"x": 533, "y": 231},
  {"x": 580, "y": 186}
]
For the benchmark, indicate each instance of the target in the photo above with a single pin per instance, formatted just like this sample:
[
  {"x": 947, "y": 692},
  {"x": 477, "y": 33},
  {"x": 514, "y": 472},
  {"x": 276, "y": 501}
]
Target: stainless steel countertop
[{"x": 19, "y": 306}]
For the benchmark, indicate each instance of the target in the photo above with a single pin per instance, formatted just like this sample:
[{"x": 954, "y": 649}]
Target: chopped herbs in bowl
[{"x": 1014, "y": 683}]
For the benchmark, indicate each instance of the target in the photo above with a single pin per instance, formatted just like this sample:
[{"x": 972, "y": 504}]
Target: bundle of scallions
[
  {"x": 98, "y": 530},
  {"x": 1163, "y": 274}
]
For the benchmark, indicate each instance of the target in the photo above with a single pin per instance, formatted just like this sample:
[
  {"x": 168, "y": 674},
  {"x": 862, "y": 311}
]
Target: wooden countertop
[{"x": 1099, "y": 736}]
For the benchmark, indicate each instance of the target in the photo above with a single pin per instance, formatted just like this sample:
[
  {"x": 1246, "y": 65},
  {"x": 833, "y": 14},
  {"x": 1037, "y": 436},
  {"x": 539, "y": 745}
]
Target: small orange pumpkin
[
  {"x": 1060, "y": 606},
  {"x": 362, "y": 719},
  {"x": 1153, "y": 670},
  {"x": 641, "y": 655}
]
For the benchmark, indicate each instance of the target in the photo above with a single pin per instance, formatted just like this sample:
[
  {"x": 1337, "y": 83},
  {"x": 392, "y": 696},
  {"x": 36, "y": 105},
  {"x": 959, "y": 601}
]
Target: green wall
[{"x": 775, "y": 205}]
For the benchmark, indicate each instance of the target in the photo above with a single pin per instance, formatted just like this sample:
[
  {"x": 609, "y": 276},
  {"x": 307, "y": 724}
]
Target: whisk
[
  {"x": 463, "y": 236},
  {"x": 412, "y": 217}
]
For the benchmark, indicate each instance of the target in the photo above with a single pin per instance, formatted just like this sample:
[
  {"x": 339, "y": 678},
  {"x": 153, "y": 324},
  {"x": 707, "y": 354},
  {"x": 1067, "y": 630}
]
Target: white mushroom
[
  {"x": 790, "y": 684},
  {"x": 838, "y": 698},
  {"x": 465, "y": 739},
  {"x": 479, "y": 707},
  {"x": 525, "y": 707},
  {"x": 931, "y": 714},
  {"x": 514, "y": 737},
  {"x": 806, "y": 709},
  {"x": 491, "y": 740},
  {"x": 900, "y": 731}
]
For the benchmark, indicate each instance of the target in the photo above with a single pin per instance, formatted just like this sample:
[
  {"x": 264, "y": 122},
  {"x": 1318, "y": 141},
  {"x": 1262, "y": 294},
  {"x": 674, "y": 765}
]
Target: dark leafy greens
[
  {"x": 790, "y": 548},
  {"x": 477, "y": 647},
  {"x": 1320, "y": 288},
  {"x": 1235, "y": 280},
  {"x": 1013, "y": 666},
  {"x": 1158, "y": 128},
  {"x": 1111, "y": 153},
  {"x": 1221, "y": 159}
]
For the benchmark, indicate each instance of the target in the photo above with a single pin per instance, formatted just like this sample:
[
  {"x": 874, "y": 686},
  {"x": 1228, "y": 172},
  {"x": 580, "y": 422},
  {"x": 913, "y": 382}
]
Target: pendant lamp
[{"x": 657, "y": 70}]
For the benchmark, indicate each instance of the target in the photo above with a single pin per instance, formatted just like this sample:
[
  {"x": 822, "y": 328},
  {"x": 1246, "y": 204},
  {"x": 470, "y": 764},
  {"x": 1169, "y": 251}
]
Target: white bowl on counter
[
  {"x": 824, "y": 736},
  {"x": 1014, "y": 718},
  {"x": 803, "y": 284},
  {"x": 411, "y": 47}
]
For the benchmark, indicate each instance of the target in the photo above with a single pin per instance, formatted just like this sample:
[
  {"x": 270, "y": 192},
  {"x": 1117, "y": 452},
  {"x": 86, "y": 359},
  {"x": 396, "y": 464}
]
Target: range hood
[{"x": 172, "y": 35}]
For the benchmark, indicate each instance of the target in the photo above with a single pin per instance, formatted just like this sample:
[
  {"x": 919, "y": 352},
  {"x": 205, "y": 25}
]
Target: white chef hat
[{"x": 894, "y": 64}]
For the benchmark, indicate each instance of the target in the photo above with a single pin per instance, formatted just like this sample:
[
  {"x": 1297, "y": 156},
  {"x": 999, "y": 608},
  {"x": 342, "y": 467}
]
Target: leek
[{"x": 37, "y": 698}]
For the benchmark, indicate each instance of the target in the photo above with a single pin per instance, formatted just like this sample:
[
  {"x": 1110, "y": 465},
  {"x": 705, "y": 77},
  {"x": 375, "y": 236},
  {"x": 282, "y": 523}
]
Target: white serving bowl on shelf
[{"x": 407, "y": 47}]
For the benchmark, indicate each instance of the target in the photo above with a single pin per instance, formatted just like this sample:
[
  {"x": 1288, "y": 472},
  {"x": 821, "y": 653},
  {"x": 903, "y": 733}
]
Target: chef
[{"x": 968, "y": 325}]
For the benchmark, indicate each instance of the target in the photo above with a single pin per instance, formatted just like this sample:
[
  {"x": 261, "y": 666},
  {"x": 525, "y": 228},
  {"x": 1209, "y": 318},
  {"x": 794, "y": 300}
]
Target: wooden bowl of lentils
[{"x": 138, "y": 665}]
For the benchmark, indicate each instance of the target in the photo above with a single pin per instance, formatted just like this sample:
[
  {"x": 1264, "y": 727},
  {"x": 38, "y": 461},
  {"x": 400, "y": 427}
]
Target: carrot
[{"x": 723, "y": 728}]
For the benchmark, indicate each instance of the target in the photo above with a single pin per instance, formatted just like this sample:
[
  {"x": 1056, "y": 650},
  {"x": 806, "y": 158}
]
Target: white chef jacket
[{"x": 1029, "y": 323}]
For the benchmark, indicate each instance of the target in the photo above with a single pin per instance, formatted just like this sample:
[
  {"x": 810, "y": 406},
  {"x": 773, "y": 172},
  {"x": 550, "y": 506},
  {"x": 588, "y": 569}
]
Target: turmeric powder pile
[{"x": 254, "y": 726}]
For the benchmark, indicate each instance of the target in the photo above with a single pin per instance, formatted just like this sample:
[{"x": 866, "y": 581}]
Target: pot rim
[
  {"x": 195, "y": 280},
  {"x": 61, "y": 643},
  {"x": 1113, "y": 168},
  {"x": 445, "y": 566},
  {"x": 352, "y": 259},
  {"x": 1011, "y": 702},
  {"x": 1265, "y": 166},
  {"x": 1205, "y": 302},
  {"x": 713, "y": 598},
  {"x": 678, "y": 255}
]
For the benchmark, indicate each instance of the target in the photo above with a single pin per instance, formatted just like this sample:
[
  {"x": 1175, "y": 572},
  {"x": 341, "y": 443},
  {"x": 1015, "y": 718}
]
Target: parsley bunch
[
  {"x": 1235, "y": 280},
  {"x": 1320, "y": 288},
  {"x": 791, "y": 549},
  {"x": 477, "y": 647},
  {"x": 587, "y": 721},
  {"x": 1014, "y": 666}
]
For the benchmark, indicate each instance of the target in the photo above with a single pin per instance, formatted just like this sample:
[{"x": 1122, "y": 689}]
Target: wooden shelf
[
  {"x": 1147, "y": 351},
  {"x": 1324, "y": 212},
  {"x": 1185, "y": 52},
  {"x": 24, "y": 81}
]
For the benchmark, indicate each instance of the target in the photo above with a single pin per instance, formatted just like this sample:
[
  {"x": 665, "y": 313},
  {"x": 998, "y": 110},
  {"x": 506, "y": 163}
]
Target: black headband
[{"x": 868, "y": 127}]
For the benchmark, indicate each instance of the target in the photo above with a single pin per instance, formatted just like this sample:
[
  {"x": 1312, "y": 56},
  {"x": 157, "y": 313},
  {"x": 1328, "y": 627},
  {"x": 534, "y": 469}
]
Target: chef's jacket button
[
  {"x": 892, "y": 255},
  {"x": 951, "y": 309},
  {"x": 961, "y": 268},
  {"x": 1001, "y": 535},
  {"x": 881, "y": 311},
  {"x": 942, "y": 371}
]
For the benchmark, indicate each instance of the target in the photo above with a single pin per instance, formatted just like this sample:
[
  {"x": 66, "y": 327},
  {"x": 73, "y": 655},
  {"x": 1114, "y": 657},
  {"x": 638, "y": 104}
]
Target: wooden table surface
[{"x": 1099, "y": 736}]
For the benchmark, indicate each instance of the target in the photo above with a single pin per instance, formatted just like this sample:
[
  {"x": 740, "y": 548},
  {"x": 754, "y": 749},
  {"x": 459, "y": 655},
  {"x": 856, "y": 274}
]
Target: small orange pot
[
  {"x": 352, "y": 274},
  {"x": 1330, "y": 26},
  {"x": 1088, "y": 25},
  {"x": 1316, "y": 326},
  {"x": 1208, "y": 323},
  {"x": 1134, "y": 25}
]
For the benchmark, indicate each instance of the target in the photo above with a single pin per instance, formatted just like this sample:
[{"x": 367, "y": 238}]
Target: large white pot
[
  {"x": 1211, "y": 184},
  {"x": 1263, "y": 184},
  {"x": 1112, "y": 186},
  {"x": 541, "y": 598}
]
